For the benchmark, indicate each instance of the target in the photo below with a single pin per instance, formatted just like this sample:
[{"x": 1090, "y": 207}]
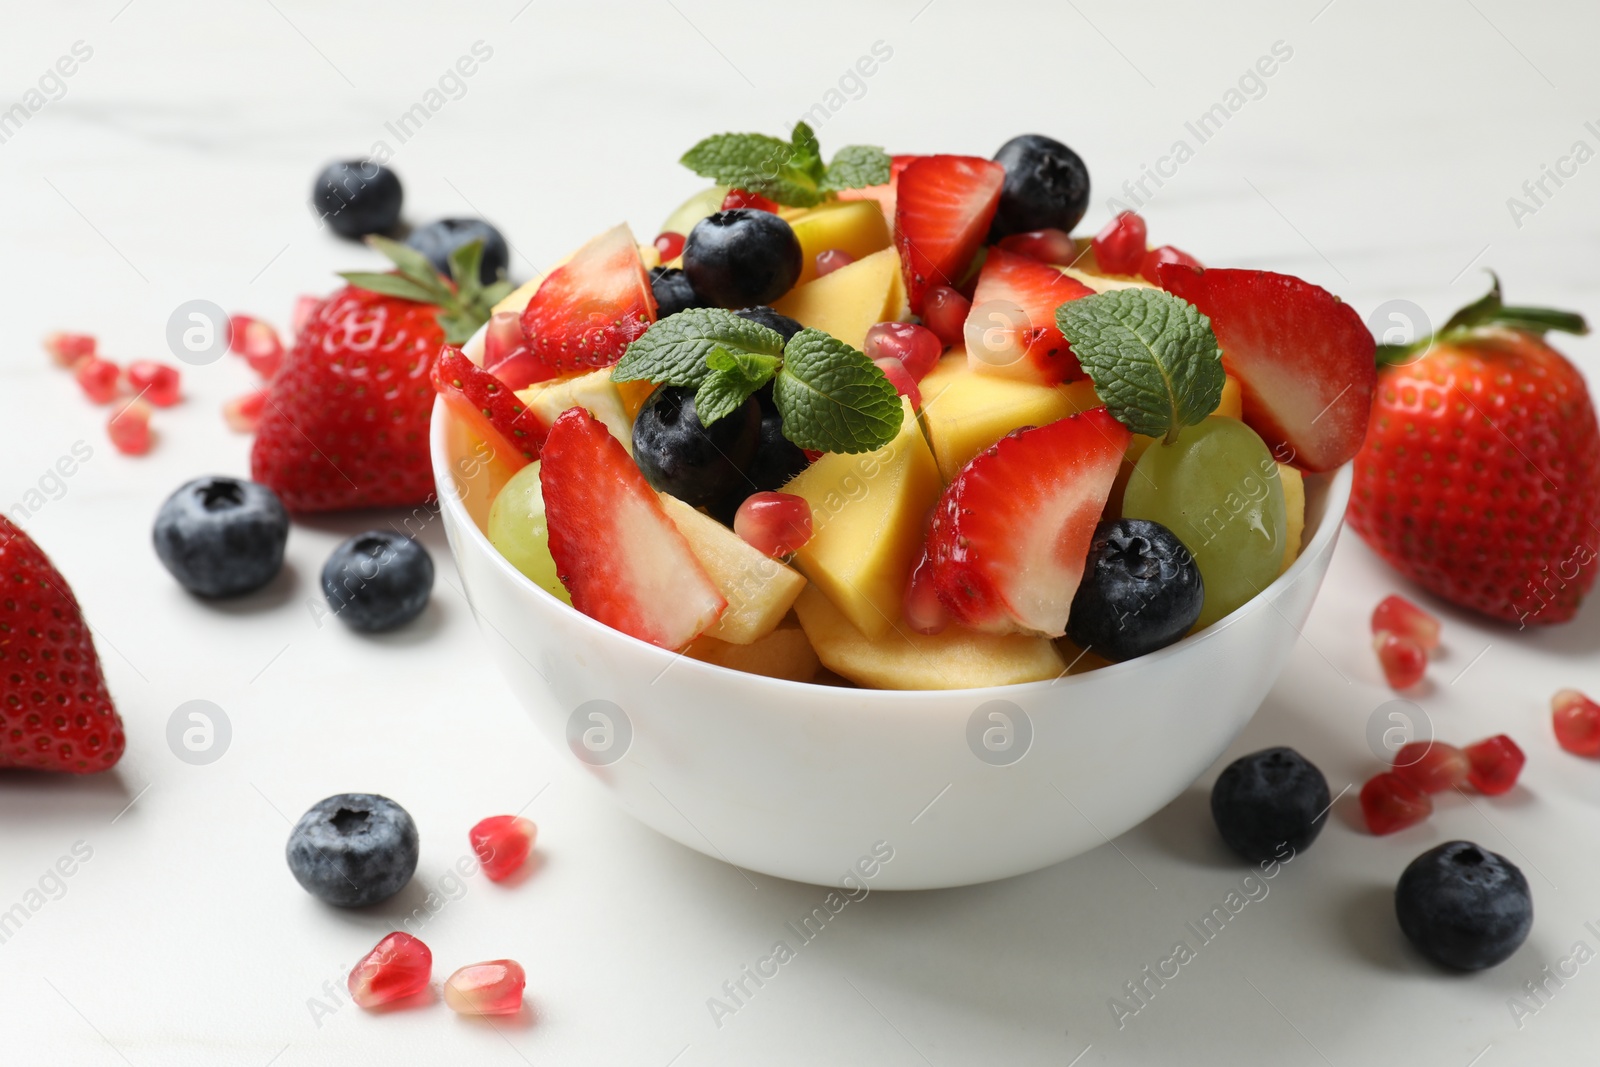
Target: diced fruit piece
[
  {"x": 901, "y": 379},
  {"x": 1149, "y": 266},
  {"x": 1216, "y": 487},
  {"x": 378, "y": 581},
  {"x": 1141, "y": 591},
  {"x": 1576, "y": 719},
  {"x": 831, "y": 260},
  {"x": 243, "y": 413},
  {"x": 921, "y": 607},
  {"x": 1055, "y": 247},
  {"x": 698, "y": 464},
  {"x": 1389, "y": 802},
  {"x": 1011, "y": 331},
  {"x": 66, "y": 349},
  {"x": 867, "y": 514},
  {"x": 221, "y": 536},
  {"x": 595, "y": 392},
  {"x": 777, "y": 459},
  {"x": 353, "y": 849},
  {"x": 1400, "y": 616},
  {"x": 1294, "y": 509},
  {"x": 399, "y": 966},
  {"x": 98, "y": 378},
  {"x": 1303, "y": 357},
  {"x": 1119, "y": 247},
  {"x": 1431, "y": 766},
  {"x": 784, "y": 653},
  {"x": 155, "y": 382},
  {"x": 901, "y": 658},
  {"x": 1046, "y": 185},
  {"x": 258, "y": 342},
  {"x": 357, "y": 197},
  {"x": 587, "y": 311},
  {"x": 775, "y": 524},
  {"x": 673, "y": 292},
  {"x": 1464, "y": 907},
  {"x": 506, "y": 353},
  {"x": 669, "y": 246},
  {"x": 506, "y": 425},
  {"x": 758, "y": 589},
  {"x": 856, "y": 228},
  {"x": 619, "y": 555},
  {"x": 742, "y": 257},
  {"x": 1011, "y": 534},
  {"x": 916, "y": 347},
  {"x": 492, "y": 988},
  {"x": 518, "y": 531},
  {"x": 1402, "y": 659},
  {"x": 129, "y": 428},
  {"x": 1268, "y": 800},
  {"x": 745, "y": 198},
  {"x": 943, "y": 209},
  {"x": 945, "y": 311},
  {"x": 503, "y": 843},
  {"x": 1496, "y": 762},
  {"x": 1102, "y": 283},
  {"x": 849, "y": 301}
]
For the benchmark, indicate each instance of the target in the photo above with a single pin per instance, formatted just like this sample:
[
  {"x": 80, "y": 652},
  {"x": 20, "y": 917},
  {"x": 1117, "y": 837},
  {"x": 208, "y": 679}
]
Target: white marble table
[{"x": 1377, "y": 159}]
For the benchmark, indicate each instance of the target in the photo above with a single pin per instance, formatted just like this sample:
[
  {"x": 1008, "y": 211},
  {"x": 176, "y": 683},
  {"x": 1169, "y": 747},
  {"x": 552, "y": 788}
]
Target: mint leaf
[
  {"x": 807, "y": 152},
  {"x": 770, "y": 166},
  {"x": 856, "y": 166},
  {"x": 832, "y": 398},
  {"x": 1152, "y": 357},
  {"x": 734, "y": 376},
  {"x": 673, "y": 351}
]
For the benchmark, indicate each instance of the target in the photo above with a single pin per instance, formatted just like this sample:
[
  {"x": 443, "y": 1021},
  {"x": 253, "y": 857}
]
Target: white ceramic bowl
[{"x": 805, "y": 781}]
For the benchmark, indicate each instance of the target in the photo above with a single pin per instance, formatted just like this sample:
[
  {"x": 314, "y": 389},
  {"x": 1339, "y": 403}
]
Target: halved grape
[{"x": 517, "y": 529}]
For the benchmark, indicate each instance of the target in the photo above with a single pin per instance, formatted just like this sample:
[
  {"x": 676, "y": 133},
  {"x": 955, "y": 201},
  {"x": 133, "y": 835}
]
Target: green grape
[
  {"x": 1217, "y": 488},
  {"x": 517, "y": 529}
]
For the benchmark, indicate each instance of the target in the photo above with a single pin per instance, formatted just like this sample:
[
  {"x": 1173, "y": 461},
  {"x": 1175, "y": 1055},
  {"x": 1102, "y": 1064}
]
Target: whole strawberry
[
  {"x": 1480, "y": 475},
  {"x": 55, "y": 713},
  {"x": 345, "y": 423}
]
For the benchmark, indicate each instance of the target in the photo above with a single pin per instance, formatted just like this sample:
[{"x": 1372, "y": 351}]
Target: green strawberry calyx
[
  {"x": 464, "y": 302},
  {"x": 1487, "y": 312}
]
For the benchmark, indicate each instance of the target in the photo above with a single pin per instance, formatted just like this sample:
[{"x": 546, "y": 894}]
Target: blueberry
[
  {"x": 762, "y": 315},
  {"x": 437, "y": 240},
  {"x": 1267, "y": 800},
  {"x": 673, "y": 292},
  {"x": 221, "y": 536},
  {"x": 353, "y": 849},
  {"x": 1141, "y": 590},
  {"x": 357, "y": 197},
  {"x": 742, "y": 257},
  {"x": 696, "y": 464},
  {"x": 1046, "y": 187},
  {"x": 378, "y": 580},
  {"x": 1463, "y": 906},
  {"x": 776, "y": 462}
]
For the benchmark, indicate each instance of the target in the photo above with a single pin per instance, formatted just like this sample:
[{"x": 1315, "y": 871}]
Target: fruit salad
[{"x": 884, "y": 420}]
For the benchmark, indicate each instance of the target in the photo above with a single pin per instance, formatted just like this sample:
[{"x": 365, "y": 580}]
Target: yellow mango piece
[
  {"x": 759, "y": 590},
  {"x": 868, "y": 513},
  {"x": 851, "y": 299},
  {"x": 1294, "y": 499},
  {"x": 853, "y": 226},
  {"x": 784, "y": 653},
  {"x": 1086, "y": 272},
  {"x": 595, "y": 392},
  {"x": 901, "y": 658}
]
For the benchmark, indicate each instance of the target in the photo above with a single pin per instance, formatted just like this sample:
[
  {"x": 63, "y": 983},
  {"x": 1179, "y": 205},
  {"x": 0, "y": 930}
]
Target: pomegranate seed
[
  {"x": 1047, "y": 246},
  {"x": 777, "y": 524},
  {"x": 156, "y": 382},
  {"x": 669, "y": 244},
  {"x": 1390, "y": 803},
  {"x": 1165, "y": 254},
  {"x": 304, "y": 308},
  {"x": 257, "y": 342},
  {"x": 502, "y": 843},
  {"x": 745, "y": 198},
  {"x": 98, "y": 378},
  {"x": 1577, "y": 722},
  {"x": 1400, "y": 616},
  {"x": 1431, "y": 766},
  {"x": 944, "y": 311},
  {"x": 1119, "y": 248},
  {"x": 916, "y": 347},
  {"x": 129, "y": 428},
  {"x": 243, "y": 413},
  {"x": 832, "y": 260},
  {"x": 1403, "y": 660},
  {"x": 901, "y": 379},
  {"x": 399, "y": 966},
  {"x": 923, "y": 610},
  {"x": 491, "y": 988},
  {"x": 1496, "y": 762},
  {"x": 66, "y": 349}
]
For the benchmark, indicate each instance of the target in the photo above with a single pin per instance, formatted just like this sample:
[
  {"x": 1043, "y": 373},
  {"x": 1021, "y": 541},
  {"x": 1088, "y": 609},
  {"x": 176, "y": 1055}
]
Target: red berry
[
  {"x": 507, "y": 354},
  {"x": 243, "y": 413},
  {"x": 1165, "y": 254},
  {"x": 923, "y": 610},
  {"x": 775, "y": 523},
  {"x": 1496, "y": 762},
  {"x": 98, "y": 378},
  {"x": 1577, "y": 722},
  {"x": 917, "y": 347},
  {"x": 129, "y": 428},
  {"x": 257, "y": 342},
  {"x": 66, "y": 349},
  {"x": 304, "y": 306},
  {"x": 399, "y": 966},
  {"x": 1046, "y": 246},
  {"x": 944, "y": 311},
  {"x": 492, "y": 988},
  {"x": 669, "y": 244},
  {"x": 901, "y": 379},
  {"x": 1390, "y": 803},
  {"x": 1403, "y": 660},
  {"x": 1400, "y": 616},
  {"x": 156, "y": 382},
  {"x": 832, "y": 260},
  {"x": 745, "y": 198},
  {"x": 1431, "y": 766},
  {"x": 502, "y": 843},
  {"x": 1119, "y": 248}
]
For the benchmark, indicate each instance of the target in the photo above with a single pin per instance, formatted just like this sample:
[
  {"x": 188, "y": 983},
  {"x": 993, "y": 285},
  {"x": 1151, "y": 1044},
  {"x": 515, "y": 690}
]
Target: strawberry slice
[
  {"x": 588, "y": 310},
  {"x": 1011, "y": 329},
  {"x": 1010, "y": 535},
  {"x": 884, "y": 194},
  {"x": 619, "y": 555},
  {"x": 510, "y": 429},
  {"x": 943, "y": 207},
  {"x": 1303, "y": 358}
]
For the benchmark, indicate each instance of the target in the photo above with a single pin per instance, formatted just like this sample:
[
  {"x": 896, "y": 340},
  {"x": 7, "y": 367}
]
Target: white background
[{"x": 1378, "y": 162}]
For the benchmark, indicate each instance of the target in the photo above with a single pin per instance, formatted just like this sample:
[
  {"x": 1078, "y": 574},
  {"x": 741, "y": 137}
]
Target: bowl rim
[{"x": 1338, "y": 487}]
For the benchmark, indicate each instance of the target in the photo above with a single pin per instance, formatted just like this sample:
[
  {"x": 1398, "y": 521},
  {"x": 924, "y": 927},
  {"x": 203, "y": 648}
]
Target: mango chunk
[
  {"x": 1294, "y": 500},
  {"x": 856, "y": 227},
  {"x": 784, "y": 653},
  {"x": 759, "y": 590},
  {"x": 851, "y": 299}
]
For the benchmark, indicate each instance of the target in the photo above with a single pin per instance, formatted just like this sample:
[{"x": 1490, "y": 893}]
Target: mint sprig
[
  {"x": 462, "y": 308},
  {"x": 674, "y": 350},
  {"x": 833, "y": 398},
  {"x": 788, "y": 172},
  {"x": 1152, "y": 357},
  {"x": 734, "y": 376}
]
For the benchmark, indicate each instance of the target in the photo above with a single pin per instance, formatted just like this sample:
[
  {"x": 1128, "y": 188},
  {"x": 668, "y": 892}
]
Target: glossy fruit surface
[
  {"x": 916, "y": 347},
  {"x": 357, "y": 197},
  {"x": 513, "y": 432},
  {"x": 1012, "y": 330},
  {"x": 738, "y": 198},
  {"x": 943, "y": 208},
  {"x": 1270, "y": 804},
  {"x": 1403, "y": 660},
  {"x": 66, "y": 349},
  {"x": 398, "y": 966},
  {"x": 777, "y": 459},
  {"x": 353, "y": 849},
  {"x": 491, "y": 988},
  {"x": 502, "y": 844},
  {"x": 157, "y": 383},
  {"x": 1390, "y": 802},
  {"x": 1463, "y": 906},
  {"x": 378, "y": 581},
  {"x": 1496, "y": 762},
  {"x": 221, "y": 536},
  {"x": 831, "y": 260},
  {"x": 1119, "y": 246},
  {"x": 1055, "y": 247},
  {"x": 1400, "y": 616},
  {"x": 258, "y": 342},
  {"x": 98, "y": 378},
  {"x": 1141, "y": 591},
  {"x": 669, "y": 245},
  {"x": 517, "y": 528},
  {"x": 129, "y": 428},
  {"x": 741, "y": 258},
  {"x": 243, "y": 413},
  {"x": 699, "y": 465},
  {"x": 673, "y": 292},
  {"x": 588, "y": 310},
  {"x": 1149, "y": 266},
  {"x": 776, "y": 524},
  {"x": 1576, "y": 719},
  {"x": 945, "y": 312},
  {"x": 1431, "y": 766},
  {"x": 437, "y": 240},
  {"x": 1046, "y": 185},
  {"x": 772, "y": 319}
]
